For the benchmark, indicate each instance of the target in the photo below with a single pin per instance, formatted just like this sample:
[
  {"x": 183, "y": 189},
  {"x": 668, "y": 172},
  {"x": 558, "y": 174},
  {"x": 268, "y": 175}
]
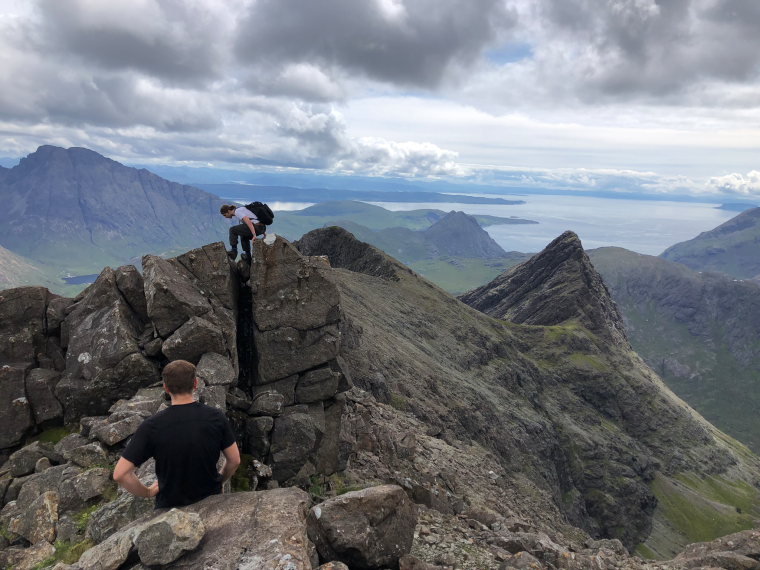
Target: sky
[{"x": 625, "y": 95}]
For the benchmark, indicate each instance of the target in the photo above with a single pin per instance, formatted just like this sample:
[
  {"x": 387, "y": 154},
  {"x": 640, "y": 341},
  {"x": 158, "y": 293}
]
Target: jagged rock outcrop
[
  {"x": 345, "y": 252},
  {"x": 556, "y": 286},
  {"x": 296, "y": 333},
  {"x": 367, "y": 529},
  {"x": 522, "y": 440}
]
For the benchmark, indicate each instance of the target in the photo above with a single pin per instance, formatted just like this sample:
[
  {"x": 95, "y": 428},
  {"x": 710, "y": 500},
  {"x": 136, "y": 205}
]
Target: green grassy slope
[
  {"x": 700, "y": 332},
  {"x": 732, "y": 248}
]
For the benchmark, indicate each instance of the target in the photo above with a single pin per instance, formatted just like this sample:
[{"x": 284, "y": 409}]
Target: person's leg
[
  {"x": 244, "y": 233},
  {"x": 241, "y": 231}
]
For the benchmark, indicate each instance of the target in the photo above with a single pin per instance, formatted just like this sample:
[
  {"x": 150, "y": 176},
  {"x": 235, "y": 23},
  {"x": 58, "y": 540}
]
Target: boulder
[
  {"x": 257, "y": 432},
  {"x": 116, "y": 514},
  {"x": 38, "y": 521},
  {"x": 269, "y": 403},
  {"x": 40, "y": 384},
  {"x": 112, "y": 433},
  {"x": 371, "y": 528},
  {"x": 31, "y": 558},
  {"x": 168, "y": 536},
  {"x": 22, "y": 462},
  {"x": 216, "y": 370},
  {"x": 103, "y": 362},
  {"x": 286, "y": 387},
  {"x": 171, "y": 296},
  {"x": 274, "y": 537},
  {"x": 194, "y": 338},
  {"x": 130, "y": 284},
  {"x": 88, "y": 455},
  {"x": 76, "y": 491},
  {"x": 316, "y": 385},
  {"x": 210, "y": 268},
  {"x": 293, "y": 441},
  {"x": 214, "y": 396},
  {"x": 15, "y": 411},
  {"x": 289, "y": 350},
  {"x": 22, "y": 324},
  {"x": 290, "y": 290},
  {"x": 109, "y": 554}
]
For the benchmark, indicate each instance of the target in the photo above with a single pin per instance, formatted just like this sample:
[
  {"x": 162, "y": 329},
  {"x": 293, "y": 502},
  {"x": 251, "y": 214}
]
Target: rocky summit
[{"x": 384, "y": 423}]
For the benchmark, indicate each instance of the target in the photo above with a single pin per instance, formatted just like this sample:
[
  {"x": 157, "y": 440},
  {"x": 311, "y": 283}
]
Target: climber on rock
[
  {"x": 246, "y": 230},
  {"x": 185, "y": 440}
]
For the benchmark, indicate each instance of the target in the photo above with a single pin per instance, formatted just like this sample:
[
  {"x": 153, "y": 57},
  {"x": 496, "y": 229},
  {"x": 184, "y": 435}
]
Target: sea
[{"x": 643, "y": 226}]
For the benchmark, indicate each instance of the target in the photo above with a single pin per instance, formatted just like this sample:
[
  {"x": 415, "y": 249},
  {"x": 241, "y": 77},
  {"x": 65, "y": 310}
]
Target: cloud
[
  {"x": 177, "y": 41},
  {"x": 739, "y": 184},
  {"x": 408, "y": 43},
  {"x": 646, "y": 48}
]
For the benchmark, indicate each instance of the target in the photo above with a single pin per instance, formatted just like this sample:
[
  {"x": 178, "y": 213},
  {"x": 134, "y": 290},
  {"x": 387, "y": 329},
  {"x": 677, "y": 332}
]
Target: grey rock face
[
  {"x": 268, "y": 403},
  {"x": 288, "y": 290},
  {"x": 194, "y": 338},
  {"x": 40, "y": 384},
  {"x": 294, "y": 439},
  {"x": 216, "y": 370},
  {"x": 103, "y": 359},
  {"x": 38, "y": 521},
  {"x": 372, "y": 528},
  {"x": 22, "y": 324},
  {"x": 275, "y": 536},
  {"x": 22, "y": 462},
  {"x": 286, "y": 351},
  {"x": 317, "y": 385},
  {"x": 171, "y": 296},
  {"x": 168, "y": 536},
  {"x": 345, "y": 251},
  {"x": 555, "y": 286},
  {"x": 15, "y": 411}
]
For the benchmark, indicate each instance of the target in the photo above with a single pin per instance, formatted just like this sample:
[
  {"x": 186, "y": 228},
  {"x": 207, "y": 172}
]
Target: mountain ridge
[
  {"x": 731, "y": 248},
  {"x": 53, "y": 193}
]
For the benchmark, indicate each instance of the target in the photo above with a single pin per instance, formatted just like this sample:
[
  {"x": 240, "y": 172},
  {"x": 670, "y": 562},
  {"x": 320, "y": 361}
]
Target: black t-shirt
[{"x": 185, "y": 441}]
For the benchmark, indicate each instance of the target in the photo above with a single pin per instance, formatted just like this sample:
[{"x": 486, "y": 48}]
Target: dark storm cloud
[
  {"x": 174, "y": 40},
  {"x": 412, "y": 43},
  {"x": 657, "y": 48}
]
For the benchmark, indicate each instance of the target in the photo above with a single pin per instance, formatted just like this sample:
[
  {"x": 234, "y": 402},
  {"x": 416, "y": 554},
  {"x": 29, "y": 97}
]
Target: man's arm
[
  {"x": 231, "y": 462},
  {"x": 249, "y": 223},
  {"x": 124, "y": 475}
]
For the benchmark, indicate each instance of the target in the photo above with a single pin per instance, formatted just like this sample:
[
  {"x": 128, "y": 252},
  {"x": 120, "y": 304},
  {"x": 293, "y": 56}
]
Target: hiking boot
[
  {"x": 232, "y": 254},
  {"x": 245, "y": 257}
]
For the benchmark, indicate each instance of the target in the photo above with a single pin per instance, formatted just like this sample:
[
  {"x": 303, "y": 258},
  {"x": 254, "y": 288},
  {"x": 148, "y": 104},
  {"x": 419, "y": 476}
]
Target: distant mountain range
[
  {"x": 76, "y": 210},
  {"x": 732, "y": 248}
]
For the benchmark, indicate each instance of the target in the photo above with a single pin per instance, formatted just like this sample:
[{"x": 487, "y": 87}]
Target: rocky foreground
[{"x": 384, "y": 423}]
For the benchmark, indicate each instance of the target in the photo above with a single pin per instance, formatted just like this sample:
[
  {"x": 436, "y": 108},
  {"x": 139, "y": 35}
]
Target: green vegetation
[
  {"x": 399, "y": 402},
  {"x": 458, "y": 275},
  {"x": 322, "y": 487},
  {"x": 82, "y": 518},
  {"x": 52, "y": 435},
  {"x": 241, "y": 480},
  {"x": 704, "y": 508},
  {"x": 67, "y": 552}
]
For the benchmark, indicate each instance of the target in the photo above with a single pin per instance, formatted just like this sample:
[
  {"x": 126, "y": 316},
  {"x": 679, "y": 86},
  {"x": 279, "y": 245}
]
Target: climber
[
  {"x": 185, "y": 440},
  {"x": 248, "y": 227}
]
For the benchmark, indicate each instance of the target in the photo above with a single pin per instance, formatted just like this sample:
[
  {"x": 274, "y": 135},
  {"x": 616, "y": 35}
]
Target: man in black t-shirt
[{"x": 185, "y": 440}]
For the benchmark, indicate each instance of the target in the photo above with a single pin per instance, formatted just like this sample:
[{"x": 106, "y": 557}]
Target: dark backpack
[{"x": 262, "y": 212}]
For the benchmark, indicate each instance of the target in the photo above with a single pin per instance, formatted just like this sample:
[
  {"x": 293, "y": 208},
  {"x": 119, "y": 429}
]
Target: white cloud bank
[{"x": 396, "y": 87}]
